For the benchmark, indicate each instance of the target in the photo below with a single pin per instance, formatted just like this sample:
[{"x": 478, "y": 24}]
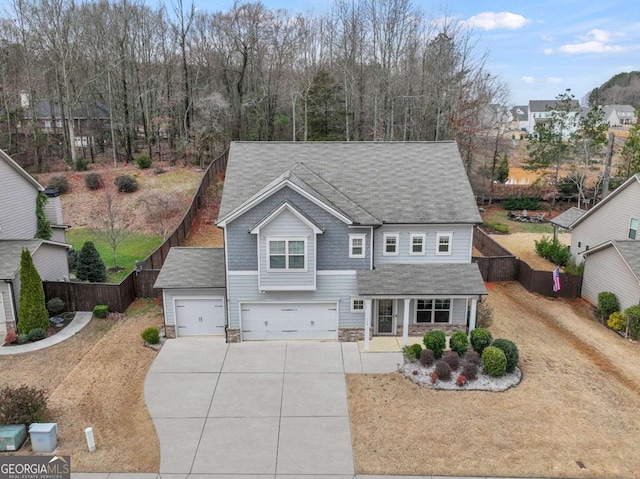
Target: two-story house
[
  {"x": 18, "y": 226},
  {"x": 618, "y": 115},
  {"x": 334, "y": 241},
  {"x": 541, "y": 110}
]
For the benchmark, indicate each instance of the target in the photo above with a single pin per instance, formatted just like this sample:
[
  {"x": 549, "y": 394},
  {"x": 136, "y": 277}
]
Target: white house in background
[
  {"x": 18, "y": 227},
  {"x": 520, "y": 117},
  {"x": 540, "y": 112},
  {"x": 619, "y": 115}
]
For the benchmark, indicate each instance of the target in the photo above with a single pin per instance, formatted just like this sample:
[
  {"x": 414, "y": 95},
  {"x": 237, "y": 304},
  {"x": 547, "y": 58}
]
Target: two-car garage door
[
  {"x": 200, "y": 316},
  {"x": 289, "y": 321}
]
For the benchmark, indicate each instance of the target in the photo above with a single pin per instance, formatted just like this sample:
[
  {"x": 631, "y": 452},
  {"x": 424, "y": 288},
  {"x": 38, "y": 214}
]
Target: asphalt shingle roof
[
  {"x": 565, "y": 219},
  {"x": 10, "y": 252},
  {"x": 544, "y": 105},
  {"x": 630, "y": 252},
  {"x": 192, "y": 268},
  {"x": 421, "y": 279},
  {"x": 369, "y": 182}
]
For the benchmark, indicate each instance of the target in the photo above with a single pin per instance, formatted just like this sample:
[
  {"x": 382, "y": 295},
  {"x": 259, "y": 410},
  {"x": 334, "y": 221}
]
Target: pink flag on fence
[{"x": 556, "y": 279}]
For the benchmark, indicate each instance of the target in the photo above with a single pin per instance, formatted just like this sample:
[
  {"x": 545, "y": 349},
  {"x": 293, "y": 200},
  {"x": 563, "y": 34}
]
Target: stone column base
[{"x": 233, "y": 335}]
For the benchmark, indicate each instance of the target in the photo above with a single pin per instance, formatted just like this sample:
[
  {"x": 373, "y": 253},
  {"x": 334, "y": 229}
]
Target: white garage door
[
  {"x": 201, "y": 316},
  {"x": 289, "y": 321}
]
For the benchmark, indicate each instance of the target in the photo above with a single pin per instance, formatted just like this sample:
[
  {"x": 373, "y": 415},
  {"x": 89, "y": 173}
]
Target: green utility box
[{"x": 12, "y": 437}]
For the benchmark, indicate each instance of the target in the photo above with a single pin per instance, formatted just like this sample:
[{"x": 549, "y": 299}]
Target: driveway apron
[{"x": 255, "y": 409}]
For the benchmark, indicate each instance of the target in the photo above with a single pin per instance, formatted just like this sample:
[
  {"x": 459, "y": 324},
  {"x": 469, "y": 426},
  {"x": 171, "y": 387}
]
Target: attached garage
[
  {"x": 199, "y": 316},
  {"x": 289, "y": 320}
]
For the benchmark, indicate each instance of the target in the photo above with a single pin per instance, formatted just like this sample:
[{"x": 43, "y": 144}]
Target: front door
[{"x": 384, "y": 319}]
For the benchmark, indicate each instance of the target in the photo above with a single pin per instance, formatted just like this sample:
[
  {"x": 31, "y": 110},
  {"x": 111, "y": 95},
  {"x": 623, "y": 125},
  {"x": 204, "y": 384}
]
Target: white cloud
[
  {"x": 548, "y": 51},
  {"x": 547, "y": 38},
  {"x": 595, "y": 41},
  {"x": 493, "y": 21},
  {"x": 598, "y": 35},
  {"x": 528, "y": 79},
  {"x": 554, "y": 80}
]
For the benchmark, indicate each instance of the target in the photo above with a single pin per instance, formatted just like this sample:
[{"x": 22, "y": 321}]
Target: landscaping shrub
[
  {"x": 143, "y": 161},
  {"x": 553, "y": 250},
  {"x": 23, "y": 405},
  {"x": 473, "y": 357},
  {"x": 494, "y": 361},
  {"x": 81, "y": 165},
  {"x": 151, "y": 335},
  {"x": 11, "y": 337},
  {"x": 55, "y": 306},
  {"x": 60, "y": 182},
  {"x": 512, "y": 203},
  {"x": 510, "y": 351},
  {"x": 607, "y": 304},
  {"x": 633, "y": 315},
  {"x": 484, "y": 318},
  {"x": 480, "y": 339},
  {"x": 100, "y": 311},
  {"x": 452, "y": 359},
  {"x": 436, "y": 341},
  {"x": 572, "y": 268},
  {"x": 93, "y": 181},
  {"x": 89, "y": 264},
  {"x": 36, "y": 334},
  {"x": 459, "y": 342},
  {"x": 469, "y": 370},
  {"x": 617, "y": 321},
  {"x": 33, "y": 312},
  {"x": 443, "y": 370},
  {"x": 412, "y": 352},
  {"x": 427, "y": 358},
  {"x": 126, "y": 184},
  {"x": 23, "y": 338},
  {"x": 499, "y": 227}
]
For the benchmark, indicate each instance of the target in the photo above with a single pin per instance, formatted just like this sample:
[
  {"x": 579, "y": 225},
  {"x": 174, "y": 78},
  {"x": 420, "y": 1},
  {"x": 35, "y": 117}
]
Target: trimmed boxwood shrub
[
  {"x": 151, "y": 335},
  {"x": 459, "y": 342},
  {"x": 510, "y": 350},
  {"x": 93, "y": 181},
  {"x": 101, "y": 311},
  {"x": 443, "y": 370},
  {"x": 126, "y": 184},
  {"x": 469, "y": 370},
  {"x": 412, "y": 352},
  {"x": 452, "y": 359},
  {"x": 607, "y": 304},
  {"x": 427, "y": 358},
  {"x": 436, "y": 341},
  {"x": 617, "y": 321},
  {"x": 55, "y": 306},
  {"x": 480, "y": 339},
  {"x": 60, "y": 182},
  {"x": 36, "y": 334},
  {"x": 494, "y": 361},
  {"x": 22, "y": 338}
]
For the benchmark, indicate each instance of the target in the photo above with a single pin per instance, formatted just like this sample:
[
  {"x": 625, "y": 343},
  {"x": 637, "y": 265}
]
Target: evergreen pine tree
[
  {"x": 502, "y": 174},
  {"x": 33, "y": 311},
  {"x": 325, "y": 111},
  {"x": 89, "y": 265}
]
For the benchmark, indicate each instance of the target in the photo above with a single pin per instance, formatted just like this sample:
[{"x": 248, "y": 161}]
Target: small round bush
[
  {"x": 101, "y": 311},
  {"x": 23, "y": 405},
  {"x": 427, "y": 358},
  {"x": 617, "y": 321},
  {"x": 22, "y": 338},
  {"x": 143, "y": 161},
  {"x": 60, "y": 182},
  {"x": 126, "y": 184},
  {"x": 93, "y": 181},
  {"x": 55, "y": 306},
  {"x": 452, "y": 359},
  {"x": 151, "y": 335},
  {"x": 607, "y": 304},
  {"x": 494, "y": 361},
  {"x": 480, "y": 339},
  {"x": 510, "y": 350},
  {"x": 459, "y": 342},
  {"x": 412, "y": 352},
  {"x": 443, "y": 370},
  {"x": 469, "y": 370},
  {"x": 436, "y": 341},
  {"x": 36, "y": 334},
  {"x": 473, "y": 357}
]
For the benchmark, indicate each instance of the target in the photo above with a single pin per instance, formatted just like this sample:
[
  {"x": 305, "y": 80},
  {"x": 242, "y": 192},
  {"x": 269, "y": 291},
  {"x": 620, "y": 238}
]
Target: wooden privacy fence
[
  {"x": 541, "y": 282},
  {"x": 137, "y": 284}
]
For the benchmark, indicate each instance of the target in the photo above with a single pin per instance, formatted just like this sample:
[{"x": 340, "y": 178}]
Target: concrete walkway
[{"x": 81, "y": 319}]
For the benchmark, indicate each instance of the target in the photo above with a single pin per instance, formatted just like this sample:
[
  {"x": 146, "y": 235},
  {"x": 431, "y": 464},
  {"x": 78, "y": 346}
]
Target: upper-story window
[
  {"x": 391, "y": 241},
  {"x": 287, "y": 254},
  {"x": 416, "y": 244},
  {"x": 633, "y": 228},
  {"x": 443, "y": 243},
  {"x": 356, "y": 246}
]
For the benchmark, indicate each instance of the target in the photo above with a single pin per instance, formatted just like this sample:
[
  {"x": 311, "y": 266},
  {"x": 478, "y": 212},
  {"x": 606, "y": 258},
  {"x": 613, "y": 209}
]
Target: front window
[
  {"x": 286, "y": 254},
  {"x": 357, "y": 305},
  {"x": 633, "y": 228},
  {"x": 443, "y": 243},
  {"x": 433, "y": 310},
  {"x": 391, "y": 244},
  {"x": 356, "y": 246},
  {"x": 417, "y": 244}
]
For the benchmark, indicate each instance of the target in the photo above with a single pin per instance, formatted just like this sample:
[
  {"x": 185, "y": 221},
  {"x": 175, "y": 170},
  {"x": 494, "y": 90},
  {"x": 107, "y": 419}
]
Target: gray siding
[
  {"x": 340, "y": 287},
  {"x": 609, "y": 222},
  {"x": 171, "y": 294},
  {"x": 460, "y": 244},
  {"x": 606, "y": 271},
  {"x": 53, "y": 211},
  {"x": 18, "y": 200},
  {"x": 51, "y": 262},
  {"x": 59, "y": 235},
  {"x": 7, "y": 302},
  {"x": 332, "y": 245}
]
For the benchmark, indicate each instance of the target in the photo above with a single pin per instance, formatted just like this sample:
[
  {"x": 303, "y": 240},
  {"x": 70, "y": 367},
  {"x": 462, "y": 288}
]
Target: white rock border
[{"x": 483, "y": 382}]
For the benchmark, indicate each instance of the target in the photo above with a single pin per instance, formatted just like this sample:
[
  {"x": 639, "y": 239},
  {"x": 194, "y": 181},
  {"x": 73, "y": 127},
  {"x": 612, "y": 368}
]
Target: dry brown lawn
[
  {"x": 523, "y": 246},
  {"x": 578, "y": 402},
  {"x": 204, "y": 232},
  {"x": 96, "y": 379}
]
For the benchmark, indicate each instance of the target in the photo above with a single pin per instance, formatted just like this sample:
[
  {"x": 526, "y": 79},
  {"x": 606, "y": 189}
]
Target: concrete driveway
[{"x": 257, "y": 408}]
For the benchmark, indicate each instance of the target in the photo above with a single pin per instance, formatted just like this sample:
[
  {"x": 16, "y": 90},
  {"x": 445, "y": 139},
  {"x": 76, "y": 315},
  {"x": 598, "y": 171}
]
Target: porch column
[
  {"x": 405, "y": 322},
  {"x": 472, "y": 316},
  {"x": 367, "y": 322}
]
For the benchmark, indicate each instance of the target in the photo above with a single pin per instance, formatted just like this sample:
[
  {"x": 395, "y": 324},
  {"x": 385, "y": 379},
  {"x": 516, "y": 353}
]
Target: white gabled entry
[
  {"x": 199, "y": 316},
  {"x": 289, "y": 320}
]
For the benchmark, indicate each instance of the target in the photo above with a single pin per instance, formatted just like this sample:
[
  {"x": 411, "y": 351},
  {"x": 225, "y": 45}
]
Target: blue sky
[{"x": 540, "y": 48}]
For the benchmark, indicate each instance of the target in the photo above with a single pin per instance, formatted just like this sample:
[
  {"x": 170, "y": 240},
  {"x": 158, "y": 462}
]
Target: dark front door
[{"x": 385, "y": 316}]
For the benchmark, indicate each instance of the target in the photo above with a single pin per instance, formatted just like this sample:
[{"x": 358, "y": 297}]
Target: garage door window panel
[{"x": 287, "y": 255}]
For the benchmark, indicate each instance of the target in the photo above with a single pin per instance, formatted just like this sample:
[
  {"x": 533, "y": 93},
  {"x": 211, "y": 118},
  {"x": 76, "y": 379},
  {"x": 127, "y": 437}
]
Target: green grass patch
[
  {"x": 501, "y": 217},
  {"x": 136, "y": 246}
]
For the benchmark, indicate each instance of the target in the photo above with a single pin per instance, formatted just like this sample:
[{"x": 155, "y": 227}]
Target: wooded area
[{"x": 139, "y": 77}]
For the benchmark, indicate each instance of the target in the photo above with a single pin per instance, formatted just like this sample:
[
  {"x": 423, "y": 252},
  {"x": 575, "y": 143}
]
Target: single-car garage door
[
  {"x": 289, "y": 321},
  {"x": 201, "y": 316}
]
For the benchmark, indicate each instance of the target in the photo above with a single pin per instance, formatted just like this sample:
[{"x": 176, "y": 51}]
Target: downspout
[{"x": 12, "y": 301}]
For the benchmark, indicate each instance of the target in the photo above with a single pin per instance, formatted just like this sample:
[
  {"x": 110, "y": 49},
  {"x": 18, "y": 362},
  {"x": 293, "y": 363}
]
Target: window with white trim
[
  {"x": 286, "y": 254},
  {"x": 416, "y": 244},
  {"x": 357, "y": 305},
  {"x": 356, "y": 246},
  {"x": 433, "y": 310},
  {"x": 633, "y": 228},
  {"x": 443, "y": 243},
  {"x": 390, "y": 246}
]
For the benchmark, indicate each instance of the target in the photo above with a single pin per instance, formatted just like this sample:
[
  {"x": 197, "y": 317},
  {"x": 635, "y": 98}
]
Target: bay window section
[{"x": 286, "y": 254}]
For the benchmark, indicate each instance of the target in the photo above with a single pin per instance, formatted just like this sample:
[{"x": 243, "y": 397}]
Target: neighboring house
[
  {"x": 18, "y": 227},
  {"x": 606, "y": 238},
  {"x": 540, "y": 111},
  {"x": 520, "y": 118},
  {"x": 618, "y": 115},
  {"x": 496, "y": 117},
  {"x": 334, "y": 241}
]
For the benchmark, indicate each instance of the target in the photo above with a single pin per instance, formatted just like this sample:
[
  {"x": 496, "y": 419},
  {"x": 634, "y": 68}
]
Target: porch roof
[{"x": 422, "y": 279}]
